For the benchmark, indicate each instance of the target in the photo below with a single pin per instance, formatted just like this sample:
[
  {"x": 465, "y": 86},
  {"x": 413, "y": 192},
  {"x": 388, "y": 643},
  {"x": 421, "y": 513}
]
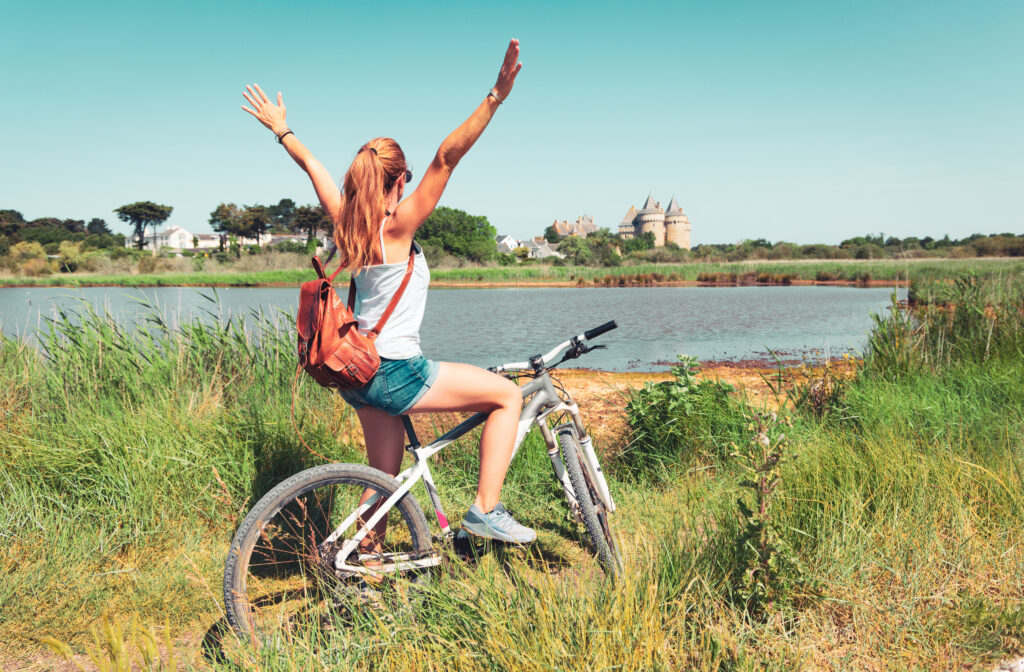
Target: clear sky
[{"x": 802, "y": 121}]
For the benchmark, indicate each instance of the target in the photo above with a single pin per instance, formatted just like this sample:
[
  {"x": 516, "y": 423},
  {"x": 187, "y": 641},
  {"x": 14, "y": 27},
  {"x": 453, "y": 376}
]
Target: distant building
[
  {"x": 668, "y": 226},
  {"x": 540, "y": 249},
  {"x": 507, "y": 243},
  {"x": 582, "y": 227},
  {"x": 176, "y": 238}
]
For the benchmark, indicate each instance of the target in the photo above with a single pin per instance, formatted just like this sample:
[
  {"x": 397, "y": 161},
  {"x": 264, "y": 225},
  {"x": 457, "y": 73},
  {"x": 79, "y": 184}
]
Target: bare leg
[
  {"x": 461, "y": 387},
  {"x": 385, "y": 438}
]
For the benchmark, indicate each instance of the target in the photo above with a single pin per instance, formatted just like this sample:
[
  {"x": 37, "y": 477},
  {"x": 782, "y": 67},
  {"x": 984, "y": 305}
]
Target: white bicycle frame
[{"x": 542, "y": 400}]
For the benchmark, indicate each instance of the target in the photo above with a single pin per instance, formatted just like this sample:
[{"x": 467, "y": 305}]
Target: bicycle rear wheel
[
  {"x": 592, "y": 508},
  {"x": 281, "y": 569}
]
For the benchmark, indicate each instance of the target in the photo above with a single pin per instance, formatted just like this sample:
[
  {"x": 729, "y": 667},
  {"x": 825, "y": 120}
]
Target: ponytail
[{"x": 374, "y": 171}]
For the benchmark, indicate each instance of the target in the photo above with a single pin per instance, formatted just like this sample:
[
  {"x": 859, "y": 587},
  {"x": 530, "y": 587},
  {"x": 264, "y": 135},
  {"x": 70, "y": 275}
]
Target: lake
[{"x": 492, "y": 326}]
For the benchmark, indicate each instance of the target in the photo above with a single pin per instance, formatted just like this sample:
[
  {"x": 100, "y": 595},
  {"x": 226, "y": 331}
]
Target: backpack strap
[{"x": 375, "y": 332}]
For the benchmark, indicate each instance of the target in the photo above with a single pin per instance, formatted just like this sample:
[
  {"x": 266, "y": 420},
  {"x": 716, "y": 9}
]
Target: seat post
[{"x": 414, "y": 442}]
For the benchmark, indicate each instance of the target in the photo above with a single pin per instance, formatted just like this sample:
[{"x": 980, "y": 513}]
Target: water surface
[{"x": 491, "y": 326}]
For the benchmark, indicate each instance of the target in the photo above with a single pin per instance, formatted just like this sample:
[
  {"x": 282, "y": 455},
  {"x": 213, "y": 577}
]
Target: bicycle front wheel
[
  {"x": 282, "y": 571},
  {"x": 592, "y": 508}
]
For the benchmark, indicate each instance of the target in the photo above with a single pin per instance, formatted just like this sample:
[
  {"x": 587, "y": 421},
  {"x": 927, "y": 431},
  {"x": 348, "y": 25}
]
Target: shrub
[
  {"x": 35, "y": 267},
  {"x": 676, "y": 421},
  {"x": 24, "y": 251},
  {"x": 147, "y": 264},
  {"x": 767, "y": 571}
]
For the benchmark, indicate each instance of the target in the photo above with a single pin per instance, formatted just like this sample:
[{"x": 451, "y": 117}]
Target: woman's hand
[
  {"x": 270, "y": 115},
  {"x": 509, "y": 69}
]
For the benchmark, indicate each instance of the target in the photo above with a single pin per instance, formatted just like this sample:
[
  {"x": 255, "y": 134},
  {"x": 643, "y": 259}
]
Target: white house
[
  {"x": 177, "y": 238},
  {"x": 540, "y": 249},
  {"x": 507, "y": 243}
]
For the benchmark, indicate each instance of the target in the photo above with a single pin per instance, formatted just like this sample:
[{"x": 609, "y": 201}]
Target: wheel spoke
[{"x": 289, "y": 572}]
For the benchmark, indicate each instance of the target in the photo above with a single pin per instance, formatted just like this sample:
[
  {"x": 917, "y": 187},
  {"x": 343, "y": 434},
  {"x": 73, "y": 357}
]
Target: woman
[{"x": 373, "y": 229}]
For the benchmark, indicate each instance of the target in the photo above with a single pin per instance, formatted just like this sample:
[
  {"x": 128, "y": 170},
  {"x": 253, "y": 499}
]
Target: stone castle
[{"x": 668, "y": 226}]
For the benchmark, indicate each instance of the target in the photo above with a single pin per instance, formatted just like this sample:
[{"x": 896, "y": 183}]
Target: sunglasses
[{"x": 408, "y": 175}]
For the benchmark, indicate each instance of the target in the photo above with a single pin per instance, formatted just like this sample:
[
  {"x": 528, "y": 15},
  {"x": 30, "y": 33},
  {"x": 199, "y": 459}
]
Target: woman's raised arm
[
  {"x": 273, "y": 117},
  {"x": 415, "y": 209}
]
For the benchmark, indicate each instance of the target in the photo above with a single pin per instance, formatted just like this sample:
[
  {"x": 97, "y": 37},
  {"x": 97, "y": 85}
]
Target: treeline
[
  {"x": 869, "y": 247},
  {"x": 449, "y": 236},
  {"x": 603, "y": 248},
  {"x": 49, "y": 245}
]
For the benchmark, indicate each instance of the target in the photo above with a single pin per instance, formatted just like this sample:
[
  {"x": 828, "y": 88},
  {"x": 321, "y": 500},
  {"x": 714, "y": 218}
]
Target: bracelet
[
  {"x": 280, "y": 138},
  {"x": 493, "y": 93}
]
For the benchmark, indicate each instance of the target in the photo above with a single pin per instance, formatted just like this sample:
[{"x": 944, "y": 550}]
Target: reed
[{"x": 928, "y": 271}]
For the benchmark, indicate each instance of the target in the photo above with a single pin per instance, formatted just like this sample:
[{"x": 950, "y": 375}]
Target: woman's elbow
[{"x": 445, "y": 161}]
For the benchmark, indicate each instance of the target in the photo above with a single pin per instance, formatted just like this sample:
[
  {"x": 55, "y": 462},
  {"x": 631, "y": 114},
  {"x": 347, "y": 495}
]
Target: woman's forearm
[
  {"x": 297, "y": 151},
  {"x": 462, "y": 138},
  {"x": 326, "y": 190}
]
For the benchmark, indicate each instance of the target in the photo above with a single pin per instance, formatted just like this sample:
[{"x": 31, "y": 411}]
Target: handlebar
[
  {"x": 574, "y": 342},
  {"x": 603, "y": 329}
]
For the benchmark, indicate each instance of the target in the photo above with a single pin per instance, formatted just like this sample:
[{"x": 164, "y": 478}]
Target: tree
[
  {"x": 226, "y": 219},
  {"x": 254, "y": 222},
  {"x": 309, "y": 219},
  {"x": 460, "y": 234},
  {"x": 645, "y": 241},
  {"x": 142, "y": 214},
  {"x": 97, "y": 226},
  {"x": 551, "y": 235},
  {"x": 282, "y": 215},
  {"x": 11, "y": 217},
  {"x": 576, "y": 251}
]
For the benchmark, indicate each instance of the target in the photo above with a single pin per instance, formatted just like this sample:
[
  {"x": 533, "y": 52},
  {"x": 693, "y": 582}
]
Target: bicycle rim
[
  {"x": 592, "y": 509},
  {"x": 282, "y": 574},
  {"x": 599, "y": 509}
]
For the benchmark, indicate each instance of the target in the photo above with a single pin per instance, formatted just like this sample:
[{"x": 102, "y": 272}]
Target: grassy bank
[
  {"x": 891, "y": 539},
  {"x": 748, "y": 272}
]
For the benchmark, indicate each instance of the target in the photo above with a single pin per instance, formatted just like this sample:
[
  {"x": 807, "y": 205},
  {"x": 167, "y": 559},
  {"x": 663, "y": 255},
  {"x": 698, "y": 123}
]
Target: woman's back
[{"x": 376, "y": 285}]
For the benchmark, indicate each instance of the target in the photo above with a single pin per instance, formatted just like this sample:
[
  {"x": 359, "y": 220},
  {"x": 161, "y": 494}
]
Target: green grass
[
  {"x": 126, "y": 463},
  {"x": 927, "y": 270}
]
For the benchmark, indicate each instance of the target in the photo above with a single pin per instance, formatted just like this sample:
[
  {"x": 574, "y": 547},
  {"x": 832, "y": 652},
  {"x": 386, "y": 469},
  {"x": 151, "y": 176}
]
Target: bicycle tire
[
  {"x": 592, "y": 510},
  {"x": 292, "y": 512}
]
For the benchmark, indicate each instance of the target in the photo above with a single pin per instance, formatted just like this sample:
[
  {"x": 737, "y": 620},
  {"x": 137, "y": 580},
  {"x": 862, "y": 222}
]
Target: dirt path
[{"x": 602, "y": 397}]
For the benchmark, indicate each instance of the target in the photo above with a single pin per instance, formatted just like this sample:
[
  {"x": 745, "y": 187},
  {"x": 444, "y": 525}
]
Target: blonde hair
[{"x": 377, "y": 166}]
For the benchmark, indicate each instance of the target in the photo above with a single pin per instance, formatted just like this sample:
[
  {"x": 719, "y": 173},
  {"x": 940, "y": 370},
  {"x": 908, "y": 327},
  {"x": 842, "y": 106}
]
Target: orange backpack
[{"x": 331, "y": 349}]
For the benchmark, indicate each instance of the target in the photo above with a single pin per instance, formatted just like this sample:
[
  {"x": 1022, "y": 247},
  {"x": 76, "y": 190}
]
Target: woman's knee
[{"x": 511, "y": 396}]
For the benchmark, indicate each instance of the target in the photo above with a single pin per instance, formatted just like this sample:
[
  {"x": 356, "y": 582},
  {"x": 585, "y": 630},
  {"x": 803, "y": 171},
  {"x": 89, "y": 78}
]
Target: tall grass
[
  {"x": 930, "y": 272},
  {"x": 126, "y": 462}
]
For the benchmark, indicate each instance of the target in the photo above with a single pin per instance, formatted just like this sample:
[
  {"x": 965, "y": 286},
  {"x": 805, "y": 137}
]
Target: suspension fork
[{"x": 559, "y": 468}]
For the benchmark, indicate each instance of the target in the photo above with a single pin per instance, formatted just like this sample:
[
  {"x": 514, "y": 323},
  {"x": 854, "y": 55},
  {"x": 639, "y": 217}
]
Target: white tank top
[{"x": 375, "y": 285}]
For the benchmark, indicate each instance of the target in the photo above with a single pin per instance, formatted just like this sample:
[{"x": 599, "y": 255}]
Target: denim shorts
[{"x": 397, "y": 386}]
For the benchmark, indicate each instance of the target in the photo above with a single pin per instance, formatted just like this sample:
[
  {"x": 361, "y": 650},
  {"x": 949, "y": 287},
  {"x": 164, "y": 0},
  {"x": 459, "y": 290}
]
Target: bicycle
[{"x": 294, "y": 556}]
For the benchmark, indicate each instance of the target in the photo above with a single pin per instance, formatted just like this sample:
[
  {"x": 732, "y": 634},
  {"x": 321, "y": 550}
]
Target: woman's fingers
[
  {"x": 280, "y": 100},
  {"x": 263, "y": 96},
  {"x": 251, "y": 100},
  {"x": 512, "y": 54},
  {"x": 252, "y": 112}
]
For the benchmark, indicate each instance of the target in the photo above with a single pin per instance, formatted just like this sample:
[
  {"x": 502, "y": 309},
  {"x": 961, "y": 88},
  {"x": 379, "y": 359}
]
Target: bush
[
  {"x": 676, "y": 421},
  {"x": 293, "y": 246},
  {"x": 35, "y": 267},
  {"x": 147, "y": 264},
  {"x": 24, "y": 251}
]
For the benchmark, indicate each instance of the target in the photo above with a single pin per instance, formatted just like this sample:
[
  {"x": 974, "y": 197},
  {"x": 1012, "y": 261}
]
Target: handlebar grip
[{"x": 603, "y": 329}]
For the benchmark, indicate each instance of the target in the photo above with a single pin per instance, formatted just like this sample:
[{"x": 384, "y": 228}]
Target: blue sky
[{"x": 800, "y": 121}]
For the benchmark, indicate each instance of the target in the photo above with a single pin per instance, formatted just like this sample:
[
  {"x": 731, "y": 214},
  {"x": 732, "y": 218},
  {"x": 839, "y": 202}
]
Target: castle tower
[
  {"x": 626, "y": 228},
  {"x": 652, "y": 218},
  {"x": 677, "y": 225}
]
